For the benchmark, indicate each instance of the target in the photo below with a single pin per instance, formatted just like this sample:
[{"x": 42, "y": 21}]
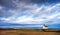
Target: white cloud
[
  {"x": 1, "y": 7},
  {"x": 35, "y": 14}
]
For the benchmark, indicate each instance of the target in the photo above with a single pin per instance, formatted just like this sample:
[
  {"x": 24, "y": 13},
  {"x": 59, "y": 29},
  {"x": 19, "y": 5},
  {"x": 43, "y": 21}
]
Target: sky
[{"x": 30, "y": 11}]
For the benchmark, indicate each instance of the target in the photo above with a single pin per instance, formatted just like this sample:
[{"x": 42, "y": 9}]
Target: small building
[{"x": 45, "y": 26}]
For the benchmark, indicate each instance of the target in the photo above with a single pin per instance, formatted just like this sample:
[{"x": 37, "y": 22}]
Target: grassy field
[{"x": 26, "y": 32}]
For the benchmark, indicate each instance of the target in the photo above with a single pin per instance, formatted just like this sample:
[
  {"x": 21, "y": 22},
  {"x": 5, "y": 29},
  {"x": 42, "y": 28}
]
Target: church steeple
[{"x": 45, "y": 26}]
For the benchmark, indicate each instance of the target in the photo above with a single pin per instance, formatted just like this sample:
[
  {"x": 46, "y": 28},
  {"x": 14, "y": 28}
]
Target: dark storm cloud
[
  {"x": 43, "y": 1},
  {"x": 13, "y": 3},
  {"x": 7, "y": 3},
  {"x": 5, "y": 14}
]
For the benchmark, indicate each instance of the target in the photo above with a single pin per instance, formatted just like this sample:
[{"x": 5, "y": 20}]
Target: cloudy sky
[{"x": 30, "y": 11}]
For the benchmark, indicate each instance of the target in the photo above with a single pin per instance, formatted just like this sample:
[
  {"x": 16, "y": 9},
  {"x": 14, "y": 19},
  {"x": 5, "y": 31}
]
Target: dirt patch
[{"x": 26, "y": 32}]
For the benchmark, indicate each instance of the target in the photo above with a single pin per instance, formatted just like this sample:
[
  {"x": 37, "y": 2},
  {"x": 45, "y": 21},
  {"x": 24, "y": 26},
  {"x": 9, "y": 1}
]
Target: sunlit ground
[{"x": 26, "y": 32}]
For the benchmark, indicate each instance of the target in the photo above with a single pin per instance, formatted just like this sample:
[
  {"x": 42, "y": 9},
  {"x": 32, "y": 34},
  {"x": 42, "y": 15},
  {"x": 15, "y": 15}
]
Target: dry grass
[{"x": 26, "y": 32}]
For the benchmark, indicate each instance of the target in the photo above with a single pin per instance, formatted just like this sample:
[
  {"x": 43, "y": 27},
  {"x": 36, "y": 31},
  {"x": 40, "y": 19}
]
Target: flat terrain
[{"x": 26, "y": 32}]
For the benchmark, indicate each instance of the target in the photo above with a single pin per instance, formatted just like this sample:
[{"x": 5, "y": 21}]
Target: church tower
[{"x": 45, "y": 26}]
